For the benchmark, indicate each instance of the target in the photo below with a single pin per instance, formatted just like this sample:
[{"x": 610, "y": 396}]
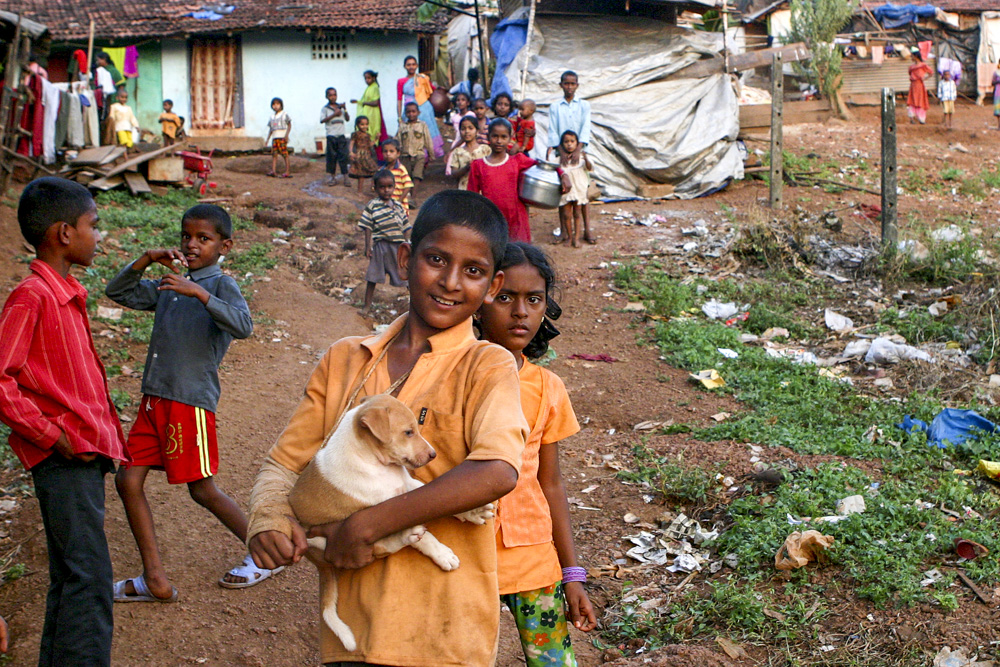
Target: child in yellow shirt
[
  {"x": 123, "y": 119},
  {"x": 465, "y": 396}
]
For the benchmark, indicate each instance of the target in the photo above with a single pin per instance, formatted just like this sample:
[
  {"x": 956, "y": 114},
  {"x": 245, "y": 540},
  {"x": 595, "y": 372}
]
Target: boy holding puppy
[
  {"x": 465, "y": 395},
  {"x": 198, "y": 314},
  {"x": 54, "y": 396}
]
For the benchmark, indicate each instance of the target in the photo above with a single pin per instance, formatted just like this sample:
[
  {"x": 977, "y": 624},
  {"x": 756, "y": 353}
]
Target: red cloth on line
[
  {"x": 498, "y": 183},
  {"x": 33, "y": 120},
  {"x": 51, "y": 379},
  {"x": 918, "y": 91},
  {"x": 925, "y": 49},
  {"x": 81, "y": 60}
]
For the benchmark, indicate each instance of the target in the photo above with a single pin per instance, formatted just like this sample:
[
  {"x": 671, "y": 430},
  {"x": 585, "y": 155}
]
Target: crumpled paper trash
[
  {"x": 801, "y": 548},
  {"x": 710, "y": 379},
  {"x": 958, "y": 658},
  {"x": 837, "y": 322},
  {"x": 716, "y": 310},
  {"x": 884, "y": 351}
]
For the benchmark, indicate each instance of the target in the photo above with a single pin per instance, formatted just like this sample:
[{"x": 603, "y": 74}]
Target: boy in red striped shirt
[{"x": 54, "y": 396}]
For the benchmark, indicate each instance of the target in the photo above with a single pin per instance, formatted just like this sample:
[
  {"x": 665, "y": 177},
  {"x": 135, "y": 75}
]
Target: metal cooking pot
[{"x": 540, "y": 186}]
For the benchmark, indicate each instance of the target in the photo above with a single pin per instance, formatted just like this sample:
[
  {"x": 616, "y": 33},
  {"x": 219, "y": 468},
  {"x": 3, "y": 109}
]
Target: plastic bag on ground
[
  {"x": 950, "y": 426},
  {"x": 884, "y": 351},
  {"x": 837, "y": 322},
  {"x": 716, "y": 310},
  {"x": 800, "y": 549}
]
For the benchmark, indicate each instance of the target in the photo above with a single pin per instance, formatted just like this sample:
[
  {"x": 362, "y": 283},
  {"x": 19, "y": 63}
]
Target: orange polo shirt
[
  {"x": 403, "y": 609},
  {"x": 526, "y": 555}
]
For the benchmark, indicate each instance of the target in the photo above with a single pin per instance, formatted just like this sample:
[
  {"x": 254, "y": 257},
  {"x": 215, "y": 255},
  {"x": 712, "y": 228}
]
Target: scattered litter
[
  {"x": 856, "y": 348},
  {"x": 970, "y": 550},
  {"x": 931, "y": 577},
  {"x": 801, "y": 548},
  {"x": 731, "y": 561},
  {"x": 732, "y": 649},
  {"x": 634, "y": 307},
  {"x": 853, "y": 259},
  {"x": 593, "y": 357},
  {"x": 590, "y": 489},
  {"x": 796, "y": 355},
  {"x": 995, "y": 380},
  {"x": 884, "y": 351},
  {"x": 631, "y": 518},
  {"x": 105, "y": 313},
  {"x": 681, "y": 528},
  {"x": 915, "y": 250},
  {"x": 837, "y": 322},
  {"x": 721, "y": 416},
  {"x": 950, "y": 426},
  {"x": 950, "y": 234},
  {"x": 958, "y": 658},
  {"x": 851, "y": 505},
  {"x": 685, "y": 563},
  {"x": 959, "y": 147},
  {"x": 938, "y": 308},
  {"x": 716, "y": 310},
  {"x": 774, "y": 332},
  {"x": 727, "y": 353},
  {"x": 650, "y": 425},
  {"x": 710, "y": 379}
]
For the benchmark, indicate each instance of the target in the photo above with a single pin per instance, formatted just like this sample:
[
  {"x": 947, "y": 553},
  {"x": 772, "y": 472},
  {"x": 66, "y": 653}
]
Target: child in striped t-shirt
[
  {"x": 387, "y": 226},
  {"x": 404, "y": 185}
]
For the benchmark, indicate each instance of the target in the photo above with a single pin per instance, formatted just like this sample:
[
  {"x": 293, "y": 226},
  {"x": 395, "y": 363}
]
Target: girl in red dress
[
  {"x": 496, "y": 178},
  {"x": 917, "y": 103}
]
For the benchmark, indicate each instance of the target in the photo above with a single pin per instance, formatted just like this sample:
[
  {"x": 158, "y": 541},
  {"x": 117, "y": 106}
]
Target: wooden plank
[
  {"x": 655, "y": 190},
  {"x": 758, "y": 116},
  {"x": 777, "y": 133},
  {"x": 168, "y": 169},
  {"x": 107, "y": 183},
  {"x": 699, "y": 69},
  {"x": 752, "y": 59},
  {"x": 143, "y": 157},
  {"x": 97, "y": 156},
  {"x": 136, "y": 183}
]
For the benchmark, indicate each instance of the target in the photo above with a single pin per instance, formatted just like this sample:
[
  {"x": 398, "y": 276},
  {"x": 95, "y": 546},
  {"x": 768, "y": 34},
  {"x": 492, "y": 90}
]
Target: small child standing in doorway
[
  {"x": 197, "y": 316},
  {"x": 362, "y": 152},
  {"x": 170, "y": 123},
  {"x": 573, "y": 204},
  {"x": 334, "y": 118},
  {"x": 278, "y": 129},
  {"x": 386, "y": 225},
  {"x": 479, "y": 108},
  {"x": 123, "y": 120},
  {"x": 401, "y": 193},
  {"x": 524, "y": 128},
  {"x": 947, "y": 93},
  {"x": 416, "y": 147}
]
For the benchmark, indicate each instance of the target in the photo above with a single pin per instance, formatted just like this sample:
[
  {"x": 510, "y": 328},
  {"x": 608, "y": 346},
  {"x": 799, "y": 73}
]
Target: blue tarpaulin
[
  {"x": 895, "y": 16},
  {"x": 950, "y": 426},
  {"x": 507, "y": 39}
]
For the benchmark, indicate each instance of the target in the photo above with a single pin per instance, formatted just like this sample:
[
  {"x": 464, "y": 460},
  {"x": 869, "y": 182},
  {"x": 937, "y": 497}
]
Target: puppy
[{"x": 366, "y": 461}]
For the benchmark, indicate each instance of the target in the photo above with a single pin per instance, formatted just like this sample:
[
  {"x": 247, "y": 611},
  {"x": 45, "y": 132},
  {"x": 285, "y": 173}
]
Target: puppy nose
[{"x": 433, "y": 455}]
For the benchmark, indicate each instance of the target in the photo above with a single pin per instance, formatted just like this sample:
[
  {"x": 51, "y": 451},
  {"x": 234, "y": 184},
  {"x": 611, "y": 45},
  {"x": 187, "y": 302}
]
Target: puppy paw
[
  {"x": 446, "y": 560},
  {"x": 415, "y": 533},
  {"x": 478, "y": 516}
]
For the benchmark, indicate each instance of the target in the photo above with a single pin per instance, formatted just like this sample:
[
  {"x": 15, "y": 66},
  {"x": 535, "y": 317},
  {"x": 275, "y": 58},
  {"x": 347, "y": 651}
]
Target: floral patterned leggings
[{"x": 541, "y": 620}]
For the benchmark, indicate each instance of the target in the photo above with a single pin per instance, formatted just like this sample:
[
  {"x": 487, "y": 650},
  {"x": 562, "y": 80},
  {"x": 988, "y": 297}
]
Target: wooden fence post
[
  {"x": 889, "y": 174},
  {"x": 777, "y": 133}
]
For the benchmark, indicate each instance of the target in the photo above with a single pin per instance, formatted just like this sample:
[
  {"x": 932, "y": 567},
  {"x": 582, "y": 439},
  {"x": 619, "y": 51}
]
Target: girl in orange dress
[
  {"x": 537, "y": 571},
  {"x": 917, "y": 103}
]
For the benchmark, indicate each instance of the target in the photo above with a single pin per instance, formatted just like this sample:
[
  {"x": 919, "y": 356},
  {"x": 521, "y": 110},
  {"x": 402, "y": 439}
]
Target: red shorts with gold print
[
  {"x": 279, "y": 146},
  {"x": 175, "y": 437}
]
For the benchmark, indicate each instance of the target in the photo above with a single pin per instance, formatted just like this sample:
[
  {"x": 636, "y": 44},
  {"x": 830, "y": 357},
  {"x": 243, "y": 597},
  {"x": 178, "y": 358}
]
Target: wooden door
[{"x": 214, "y": 82}]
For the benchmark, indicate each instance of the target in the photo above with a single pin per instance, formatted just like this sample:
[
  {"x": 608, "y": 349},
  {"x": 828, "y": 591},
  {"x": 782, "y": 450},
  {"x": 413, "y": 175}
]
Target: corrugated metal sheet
[{"x": 863, "y": 76}]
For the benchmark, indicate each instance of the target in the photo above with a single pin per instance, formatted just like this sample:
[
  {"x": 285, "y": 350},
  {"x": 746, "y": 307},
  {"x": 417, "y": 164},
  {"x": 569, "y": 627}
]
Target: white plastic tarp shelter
[{"x": 648, "y": 125}]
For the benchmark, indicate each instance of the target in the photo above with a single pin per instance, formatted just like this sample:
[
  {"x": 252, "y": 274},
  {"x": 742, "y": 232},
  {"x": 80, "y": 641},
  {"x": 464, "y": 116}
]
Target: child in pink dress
[{"x": 496, "y": 178}]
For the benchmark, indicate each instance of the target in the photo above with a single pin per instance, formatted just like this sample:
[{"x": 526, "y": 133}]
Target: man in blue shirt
[{"x": 569, "y": 113}]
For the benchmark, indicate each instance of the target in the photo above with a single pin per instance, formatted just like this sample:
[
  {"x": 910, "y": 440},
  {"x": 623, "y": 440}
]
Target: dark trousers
[
  {"x": 336, "y": 153},
  {"x": 78, "y": 618}
]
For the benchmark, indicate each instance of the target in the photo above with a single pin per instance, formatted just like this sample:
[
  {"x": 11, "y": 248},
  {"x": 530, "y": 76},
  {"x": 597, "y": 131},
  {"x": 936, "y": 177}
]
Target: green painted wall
[{"x": 145, "y": 92}]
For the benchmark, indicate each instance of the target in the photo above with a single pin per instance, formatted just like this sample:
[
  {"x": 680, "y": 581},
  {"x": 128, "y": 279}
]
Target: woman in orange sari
[{"x": 917, "y": 103}]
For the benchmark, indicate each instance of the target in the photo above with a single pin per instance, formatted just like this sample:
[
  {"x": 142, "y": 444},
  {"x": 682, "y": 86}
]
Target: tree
[{"x": 816, "y": 23}]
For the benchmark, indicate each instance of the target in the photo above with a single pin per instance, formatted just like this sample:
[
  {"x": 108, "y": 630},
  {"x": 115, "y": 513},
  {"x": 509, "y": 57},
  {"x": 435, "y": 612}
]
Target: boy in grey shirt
[
  {"x": 334, "y": 118},
  {"x": 197, "y": 317}
]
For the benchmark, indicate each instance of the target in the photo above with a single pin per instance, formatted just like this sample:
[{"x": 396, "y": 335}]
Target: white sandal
[{"x": 249, "y": 571}]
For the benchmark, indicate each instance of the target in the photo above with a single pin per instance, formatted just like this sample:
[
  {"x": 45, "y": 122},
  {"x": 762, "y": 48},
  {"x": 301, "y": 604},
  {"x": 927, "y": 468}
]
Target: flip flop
[
  {"x": 271, "y": 174},
  {"x": 249, "y": 571},
  {"x": 286, "y": 175},
  {"x": 142, "y": 592}
]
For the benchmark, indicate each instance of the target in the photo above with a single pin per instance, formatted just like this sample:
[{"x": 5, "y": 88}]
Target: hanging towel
[
  {"x": 878, "y": 55},
  {"x": 925, "y": 49},
  {"x": 130, "y": 68},
  {"x": 50, "y": 102},
  {"x": 74, "y": 131},
  {"x": 62, "y": 120}
]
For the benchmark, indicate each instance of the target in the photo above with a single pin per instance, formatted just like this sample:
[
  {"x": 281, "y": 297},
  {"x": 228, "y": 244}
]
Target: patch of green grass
[
  {"x": 919, "y": 326},
  {"x": 254, "y": 259},
  {"x": 991, "y": 179},
  {"x": 660, "y": 292},
  {"x": 671, "y": 478},
  {"x": 121, "y": 398},
  {"x": 951, "y": 174},
  {"x": 7, "y": 457}
]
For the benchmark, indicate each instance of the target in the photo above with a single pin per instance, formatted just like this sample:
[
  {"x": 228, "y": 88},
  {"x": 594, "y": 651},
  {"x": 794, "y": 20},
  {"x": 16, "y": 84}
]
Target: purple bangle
[{"x": 574, "y": 574}]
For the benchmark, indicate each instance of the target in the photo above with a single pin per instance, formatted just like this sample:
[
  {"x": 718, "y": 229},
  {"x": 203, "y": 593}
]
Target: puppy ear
[{"x": 376, "y": 420}]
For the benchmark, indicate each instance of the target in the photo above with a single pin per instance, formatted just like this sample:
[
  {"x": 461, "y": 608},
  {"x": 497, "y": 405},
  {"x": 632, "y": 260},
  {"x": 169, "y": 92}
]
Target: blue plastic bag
[{"x": 950, "y": 426}]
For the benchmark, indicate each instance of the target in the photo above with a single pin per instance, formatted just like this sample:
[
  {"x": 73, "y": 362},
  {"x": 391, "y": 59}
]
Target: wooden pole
[
  {"x": 527, "y": 47},
  {"x": 889, "y": 173},
  {"x": 484, "y": 75},
  {"x": 777, "y": 132},
  {"x": 90, "y": 53}
]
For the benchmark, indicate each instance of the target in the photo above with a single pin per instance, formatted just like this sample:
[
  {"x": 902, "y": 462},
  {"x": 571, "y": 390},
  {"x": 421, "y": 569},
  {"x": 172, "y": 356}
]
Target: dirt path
[{"x": 276, "y": 623}]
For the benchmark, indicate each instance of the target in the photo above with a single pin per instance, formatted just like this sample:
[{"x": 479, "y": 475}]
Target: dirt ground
[{"x": 304, "y": 304}]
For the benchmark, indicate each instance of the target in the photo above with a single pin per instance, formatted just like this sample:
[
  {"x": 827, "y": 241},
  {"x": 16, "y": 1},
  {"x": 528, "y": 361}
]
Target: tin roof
[{"x": 123, "y": 19}]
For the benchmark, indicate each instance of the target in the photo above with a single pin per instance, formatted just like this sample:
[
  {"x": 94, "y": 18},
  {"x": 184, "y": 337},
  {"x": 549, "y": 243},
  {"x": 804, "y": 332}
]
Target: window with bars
[{"x": 329, "y": 46}]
